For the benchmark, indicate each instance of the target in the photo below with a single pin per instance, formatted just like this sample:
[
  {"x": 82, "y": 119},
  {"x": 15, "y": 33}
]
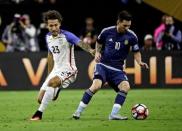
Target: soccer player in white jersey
[{"x": 62, "y": 70}]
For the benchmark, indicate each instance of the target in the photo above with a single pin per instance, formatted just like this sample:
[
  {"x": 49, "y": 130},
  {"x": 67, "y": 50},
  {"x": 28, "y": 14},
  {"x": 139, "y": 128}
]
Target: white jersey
[{"x": 62, "y": 49}]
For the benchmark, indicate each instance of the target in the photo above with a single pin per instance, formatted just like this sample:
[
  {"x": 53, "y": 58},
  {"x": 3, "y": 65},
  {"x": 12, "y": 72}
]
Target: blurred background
[{"x": 157, "y": 23}]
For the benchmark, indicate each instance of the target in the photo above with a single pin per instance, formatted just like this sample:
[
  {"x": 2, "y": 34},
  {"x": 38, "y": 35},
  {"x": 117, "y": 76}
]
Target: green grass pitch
[{"x": 165, "y": 111}]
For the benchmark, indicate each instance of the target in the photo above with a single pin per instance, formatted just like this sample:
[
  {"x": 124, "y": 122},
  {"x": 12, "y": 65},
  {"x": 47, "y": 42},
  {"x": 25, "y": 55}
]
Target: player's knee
[
  {"x": 51, "y": 83},
  {"x": 95, "y": 87},
  {"x": 54, "y": 83},
  {"x": 125, "y": 86}
]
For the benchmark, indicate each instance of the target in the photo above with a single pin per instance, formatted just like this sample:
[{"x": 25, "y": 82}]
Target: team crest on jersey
[
  {"x": 110, "y": 40},
  {"x": 126, "y": 42}
]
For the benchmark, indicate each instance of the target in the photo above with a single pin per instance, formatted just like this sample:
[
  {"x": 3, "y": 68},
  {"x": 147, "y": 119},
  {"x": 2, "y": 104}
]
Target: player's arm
[
  {"x": 99, "y": 44},
  {"x": 74, "y": 40},
  {"x": 135, "y": 48},
  {"x": 138, "y": 58},
  {"x": 50, "y": 62},
  {"x": 86, "y": 48},
  {"x": 98, "y": 49}
]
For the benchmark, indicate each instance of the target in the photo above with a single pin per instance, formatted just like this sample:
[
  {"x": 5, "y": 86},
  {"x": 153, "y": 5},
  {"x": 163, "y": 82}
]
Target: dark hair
[
  {"x": 51, "y": 15},
  {"x": 124, "y": 15},
  {"x": 163, "y": 19}
]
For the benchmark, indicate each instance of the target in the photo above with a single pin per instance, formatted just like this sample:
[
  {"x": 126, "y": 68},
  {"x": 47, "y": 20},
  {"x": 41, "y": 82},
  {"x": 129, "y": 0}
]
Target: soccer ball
[{"x": 139, "y": 112}]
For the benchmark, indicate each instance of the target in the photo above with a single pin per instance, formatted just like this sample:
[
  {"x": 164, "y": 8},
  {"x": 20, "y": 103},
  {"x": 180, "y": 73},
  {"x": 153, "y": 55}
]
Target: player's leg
[
  {"x": 121, "y": 86},
  {"x": 40, "y": 95},
  {"x": 67, "y": 78},
  {"x": 119, "y": 101},
  {"x": 47, "y": 96},
  {"x": 87, "y": 96},
  {"x": 99, "y": 78},
  {"x": 42, "y": 92},
  {"x": 51, "y": 92},
  {"x": 52, "y": 86}
]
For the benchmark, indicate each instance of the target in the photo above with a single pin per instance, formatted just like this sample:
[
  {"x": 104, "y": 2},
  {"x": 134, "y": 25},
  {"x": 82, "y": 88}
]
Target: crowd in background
[{"x": 22, "y": 35}]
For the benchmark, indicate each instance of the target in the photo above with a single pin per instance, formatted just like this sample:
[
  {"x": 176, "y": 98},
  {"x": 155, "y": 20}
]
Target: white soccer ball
[{"x": 140, "y": 112}]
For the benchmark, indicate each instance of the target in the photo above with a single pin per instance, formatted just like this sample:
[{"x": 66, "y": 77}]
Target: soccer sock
[
  {"x": 48, "y": 96},
  {"x": 85, "y": 100},
  {"x": 81, "y": 107},
  {"x": 115, "y": 109},
  {"x": 87, "y": 96},
  {"x": 119, "y": 100}
]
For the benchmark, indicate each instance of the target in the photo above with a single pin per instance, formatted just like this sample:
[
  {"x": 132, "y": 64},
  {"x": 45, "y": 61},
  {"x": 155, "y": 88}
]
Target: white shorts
[{"x": 66, "y": 76}]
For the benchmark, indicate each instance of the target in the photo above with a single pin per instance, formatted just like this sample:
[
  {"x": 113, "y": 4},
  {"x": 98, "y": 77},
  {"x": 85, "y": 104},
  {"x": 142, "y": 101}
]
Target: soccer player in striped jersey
[
  {"x": 112, "y": 48},
  {"x": 61, "y": 61}
]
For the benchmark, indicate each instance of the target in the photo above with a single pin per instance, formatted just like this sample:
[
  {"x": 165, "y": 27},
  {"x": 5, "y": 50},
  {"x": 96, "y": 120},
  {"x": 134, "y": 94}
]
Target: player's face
[
  {"x": 122, "y": 26},
  {"x": 54, "y": 26}
]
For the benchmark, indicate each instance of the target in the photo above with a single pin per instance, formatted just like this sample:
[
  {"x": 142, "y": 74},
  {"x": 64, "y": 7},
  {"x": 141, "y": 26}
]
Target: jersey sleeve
[
  {"x": 134, "y": 44},
  {"x": 102, "y": 36},
  {"x": 71, "y": 38}
]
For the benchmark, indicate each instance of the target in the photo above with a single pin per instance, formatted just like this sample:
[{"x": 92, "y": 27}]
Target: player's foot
[
  {"x": 57, "y": 94},
  {"x": 117, "y": 117},
  {"x": 76, "y": 115},
  {"x": 37, "y": 116}
]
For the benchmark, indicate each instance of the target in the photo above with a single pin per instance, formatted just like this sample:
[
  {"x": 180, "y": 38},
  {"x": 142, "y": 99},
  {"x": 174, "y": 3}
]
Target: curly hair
[{"x": 52, "y": 15}]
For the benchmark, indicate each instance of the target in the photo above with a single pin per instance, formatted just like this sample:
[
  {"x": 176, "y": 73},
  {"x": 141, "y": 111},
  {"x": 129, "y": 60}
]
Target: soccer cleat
[
  {"x": 57, "y": 94},
  {"x": 76, "y": 115},
  {"x": 117, "y": 117},
  {"x": 37, "y": 116}
]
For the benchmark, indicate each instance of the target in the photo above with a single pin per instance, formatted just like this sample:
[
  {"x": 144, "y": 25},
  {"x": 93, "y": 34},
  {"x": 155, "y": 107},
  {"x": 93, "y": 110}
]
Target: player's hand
[
  {"x": 97, "y": 57},
  {"x": 144, "y": 65}
]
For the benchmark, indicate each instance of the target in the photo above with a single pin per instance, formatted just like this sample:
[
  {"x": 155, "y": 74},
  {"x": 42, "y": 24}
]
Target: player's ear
[{"x": 118, "y": 22}]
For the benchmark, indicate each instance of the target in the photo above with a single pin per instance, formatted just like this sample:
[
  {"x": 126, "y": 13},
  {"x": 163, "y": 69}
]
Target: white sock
[
  {"x": 115, "y": 109},
  {"x": 48, "y": 96},
  {"x": 81, "y": 107}
]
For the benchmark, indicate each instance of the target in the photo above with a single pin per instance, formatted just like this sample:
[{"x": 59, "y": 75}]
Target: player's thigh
[
  {"x": 100, "y": 73},
  {"x": 124, "y": 86},
  {"x": 99, "y": 78},
  {"x": 118, "y": 80}
]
